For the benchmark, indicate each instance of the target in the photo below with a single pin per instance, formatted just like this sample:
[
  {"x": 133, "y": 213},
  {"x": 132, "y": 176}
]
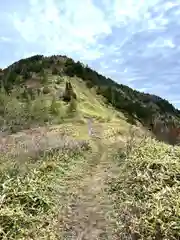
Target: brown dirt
[{"x": 87, "y": 216}]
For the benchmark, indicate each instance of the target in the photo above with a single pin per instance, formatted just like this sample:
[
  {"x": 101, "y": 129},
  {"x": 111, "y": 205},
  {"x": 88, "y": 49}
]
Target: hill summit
[{"x": 39, "y": 71}]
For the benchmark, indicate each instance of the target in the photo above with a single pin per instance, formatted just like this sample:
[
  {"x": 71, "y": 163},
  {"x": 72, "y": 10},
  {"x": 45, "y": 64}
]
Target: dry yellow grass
[{"x": 112, "y": 185}]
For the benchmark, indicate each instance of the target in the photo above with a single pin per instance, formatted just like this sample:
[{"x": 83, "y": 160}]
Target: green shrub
[
  {"x": 55, "y": 71},
  {"x": 59, "y": 80},
  {"x": 46, "y": 90},
  {"x": 55, "y": 107},
  {"x": 44, "y": 77},
  {"x": 72, "y": 107},
  {"x": 146, "y": 192},
  {"x": 39, "y": 110},
  {"x": 18, "y": 115}
]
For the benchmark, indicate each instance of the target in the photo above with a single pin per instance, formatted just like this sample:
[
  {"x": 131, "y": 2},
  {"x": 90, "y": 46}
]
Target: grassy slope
[
  {"x": 146, "y": 108},
  {"x": 115, "y": 191},
  {"x": 111, "y": 190},
  {"x": 145, "y": 192}
]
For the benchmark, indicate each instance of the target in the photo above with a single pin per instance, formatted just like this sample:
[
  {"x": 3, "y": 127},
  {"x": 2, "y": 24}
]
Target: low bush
[{"x": 146, "y": 192}]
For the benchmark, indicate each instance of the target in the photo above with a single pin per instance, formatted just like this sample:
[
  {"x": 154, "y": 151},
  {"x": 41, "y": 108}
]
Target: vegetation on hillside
[
  {"x": 27, "y": 109},
  {"x": 146, "y": 108},
  {"x": 146, "y": 191},
  {"x": 103, "y": 188},
  {"x": 31, "y": 193},
  {"x": 40, "y": 198}
]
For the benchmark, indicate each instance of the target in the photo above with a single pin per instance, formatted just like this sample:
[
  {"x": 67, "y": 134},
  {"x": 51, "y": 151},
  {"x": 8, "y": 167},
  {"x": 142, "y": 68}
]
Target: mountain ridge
[{"x": 144, "y": 107}]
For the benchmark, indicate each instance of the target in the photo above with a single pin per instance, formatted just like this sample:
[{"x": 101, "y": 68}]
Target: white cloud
[
  {"x": 67, "y": 26},
  {"x": 160, "y": 42},
  {"x": 5, "y": 39},
  {"x": 70, "y": 26}
]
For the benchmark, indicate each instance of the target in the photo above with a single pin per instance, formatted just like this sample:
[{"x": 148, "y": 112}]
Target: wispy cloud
[
  {"x": 5, "y": 39},
  {"x": 135, "y": 42},
  {"x": 67, "y": 27}
]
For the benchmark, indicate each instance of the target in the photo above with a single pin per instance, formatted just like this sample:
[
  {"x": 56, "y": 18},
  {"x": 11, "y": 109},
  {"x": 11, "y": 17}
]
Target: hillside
[
  {"x": 76, "y": 159},
  {"x": 96, "y": 94},
  {"x": 144, "y": 107}
]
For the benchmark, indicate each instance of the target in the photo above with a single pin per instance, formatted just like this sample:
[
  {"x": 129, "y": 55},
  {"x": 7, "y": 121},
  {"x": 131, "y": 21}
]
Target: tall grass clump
[
  {"x": 18, "y": 113},
  {"x": 32, "y": 192},
  {"x": 146, "y": 192}
]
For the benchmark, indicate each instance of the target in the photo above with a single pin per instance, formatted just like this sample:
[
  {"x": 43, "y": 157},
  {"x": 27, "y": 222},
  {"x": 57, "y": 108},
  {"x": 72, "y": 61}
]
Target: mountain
[
  {"x": 50, "y": 173},
  {"x": 34, "y": 72}
]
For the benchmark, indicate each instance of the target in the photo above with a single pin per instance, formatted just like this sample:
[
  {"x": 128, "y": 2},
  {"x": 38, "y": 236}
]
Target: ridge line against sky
[{"x": 134, "y": 42}]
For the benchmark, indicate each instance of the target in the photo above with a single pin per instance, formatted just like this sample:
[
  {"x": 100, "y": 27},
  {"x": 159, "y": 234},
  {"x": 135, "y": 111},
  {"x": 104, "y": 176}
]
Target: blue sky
[{"x": 134, "y": 42}]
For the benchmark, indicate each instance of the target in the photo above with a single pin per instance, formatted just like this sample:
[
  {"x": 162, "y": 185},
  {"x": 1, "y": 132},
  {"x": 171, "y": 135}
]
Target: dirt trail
[{"x": 89, "y": 213}]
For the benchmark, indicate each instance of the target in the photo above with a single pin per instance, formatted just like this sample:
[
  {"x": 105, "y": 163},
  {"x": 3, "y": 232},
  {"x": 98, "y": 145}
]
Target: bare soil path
[
  {"x": 88, "y": 214},
  {"x": 87, "y": 211}
]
